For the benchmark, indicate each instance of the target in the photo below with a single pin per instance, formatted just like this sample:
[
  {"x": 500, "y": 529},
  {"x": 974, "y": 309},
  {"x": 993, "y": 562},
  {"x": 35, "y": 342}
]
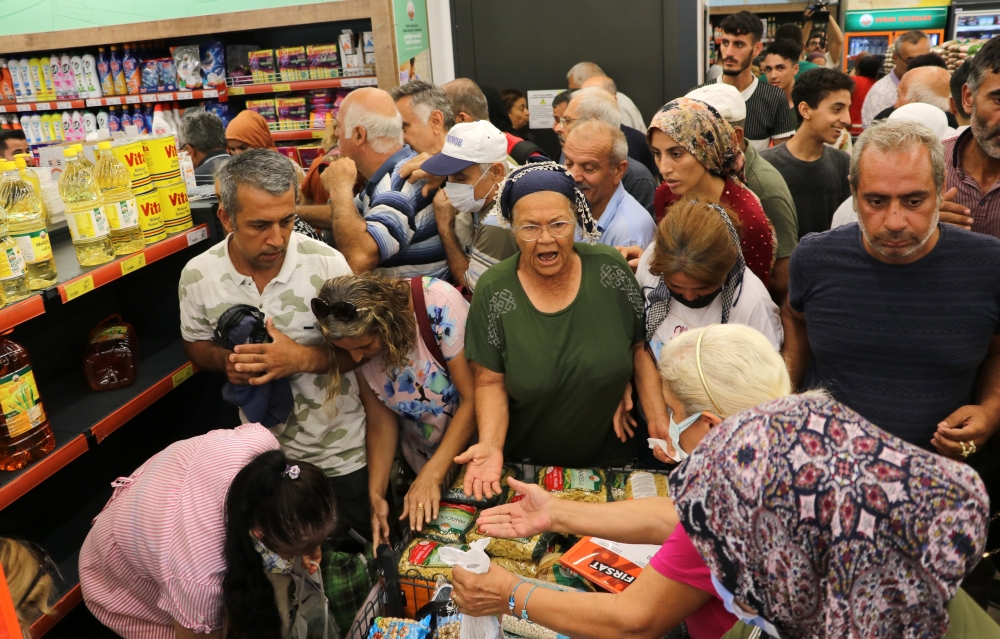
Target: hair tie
[
  {"x": 293, "y": 471},
  {"x": 701, "y": 373}
]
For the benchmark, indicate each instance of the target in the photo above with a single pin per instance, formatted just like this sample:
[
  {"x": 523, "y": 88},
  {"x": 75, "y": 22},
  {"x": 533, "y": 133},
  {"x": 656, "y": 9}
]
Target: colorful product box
[
  {"x": 292, "y": 114},
  {"x": 262, "y": 65},
  {"x": 266, "y": 108},
  {"x": 324, "y": 62},
  {"x": 292, "y": 64}
]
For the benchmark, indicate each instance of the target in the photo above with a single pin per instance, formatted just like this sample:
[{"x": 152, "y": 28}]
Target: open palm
[{"x": 526, "y": 517}]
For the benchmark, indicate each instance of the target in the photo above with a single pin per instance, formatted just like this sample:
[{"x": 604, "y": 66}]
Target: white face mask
[
  {"x": 463, "y": 196},
  {"x": 675, "y": 436}
]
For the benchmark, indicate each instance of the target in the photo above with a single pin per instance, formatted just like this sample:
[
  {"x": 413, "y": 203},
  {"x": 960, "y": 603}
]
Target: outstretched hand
[
  {"x": 483, "y": 470},
  {"x": 526, "y": 516}
]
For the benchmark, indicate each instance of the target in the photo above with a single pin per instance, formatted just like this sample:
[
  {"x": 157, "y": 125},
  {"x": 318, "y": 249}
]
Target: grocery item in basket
[
  {"x": 449, "y": 627},
  {"x": 611, "y": 565},
  {"x": 456, "y": 495},
  {"x": 423, "y": 557},
  {"x": 451, "y": 523},
  {"x": 523, "y": 548},
  {"x": 642, "y": 484},
  {"x": 575, "y": 484},
  {"x": 392, "y": 628},
  {"x": 616, "y": 486},
  {"x": 213, "y": 63},
  {"x": 517, "y": 566},
  {"x": 553, "y": 572},
  {"x": 526, "y": 629}
]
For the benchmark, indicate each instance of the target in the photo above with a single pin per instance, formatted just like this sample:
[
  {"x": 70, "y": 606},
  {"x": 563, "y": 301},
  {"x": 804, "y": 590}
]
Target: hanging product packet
[{"x": 475, "y": 560}]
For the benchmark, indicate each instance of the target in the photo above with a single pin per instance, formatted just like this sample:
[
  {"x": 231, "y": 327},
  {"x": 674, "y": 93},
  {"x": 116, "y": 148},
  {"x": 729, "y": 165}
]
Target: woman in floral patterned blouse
[{"x": 409, "y": 391}]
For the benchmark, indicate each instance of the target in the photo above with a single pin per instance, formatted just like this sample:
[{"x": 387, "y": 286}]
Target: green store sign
[{"x": 898, "y": 20}]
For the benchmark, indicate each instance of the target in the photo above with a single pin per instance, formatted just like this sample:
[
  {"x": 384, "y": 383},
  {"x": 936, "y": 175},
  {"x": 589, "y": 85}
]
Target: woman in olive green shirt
[{"x": 555, "y": 334}]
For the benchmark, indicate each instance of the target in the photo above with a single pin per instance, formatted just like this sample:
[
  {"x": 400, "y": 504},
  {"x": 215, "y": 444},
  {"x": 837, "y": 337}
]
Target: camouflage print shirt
[{"x": 330, "y": 436}]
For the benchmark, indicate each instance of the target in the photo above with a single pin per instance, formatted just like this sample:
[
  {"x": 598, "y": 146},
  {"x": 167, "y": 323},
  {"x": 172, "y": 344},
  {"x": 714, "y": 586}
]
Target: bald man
[
  {"x": 638, "y": 148},
  {"x": 390, "y": 225},
  {"x": 928, "y": 85},
  {"x": 583, "y": 71}
]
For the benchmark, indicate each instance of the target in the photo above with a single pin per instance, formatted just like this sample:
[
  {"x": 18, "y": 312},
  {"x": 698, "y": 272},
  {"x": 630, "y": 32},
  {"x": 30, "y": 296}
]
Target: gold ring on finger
[{"x": 965, "y": 449}]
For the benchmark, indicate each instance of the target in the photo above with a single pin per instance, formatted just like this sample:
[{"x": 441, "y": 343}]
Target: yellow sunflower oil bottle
[
  {"x": 119, "y": 203},
  {"x": 26, "y": 224},
  {"x": 88, "y": 224},
  {"x": 31, "y": 178}
]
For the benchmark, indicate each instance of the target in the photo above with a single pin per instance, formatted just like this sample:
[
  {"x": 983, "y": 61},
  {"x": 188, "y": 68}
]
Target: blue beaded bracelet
[
  {"x": 524, "y": 608},
  {"x": 510, "y": 602}
]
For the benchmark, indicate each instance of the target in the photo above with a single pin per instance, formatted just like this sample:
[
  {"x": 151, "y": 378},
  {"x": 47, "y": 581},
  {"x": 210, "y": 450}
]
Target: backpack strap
[
  {"x": 524, "y": 150},
  {"x": 424, "y": 322}
]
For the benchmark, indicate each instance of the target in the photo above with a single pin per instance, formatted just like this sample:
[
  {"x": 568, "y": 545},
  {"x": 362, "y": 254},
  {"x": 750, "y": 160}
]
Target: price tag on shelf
[
  {"x": 197, "y": 235},
  {"x": 131, "y": 99},
  {"x": 149, "y": 97},
  {"x": 134, "y": 263},
  {"x": 369, "y": 82},
  {"x": 183, "y": 374},
  {"x": 64, "y": 105},
  {"x": 184, "y": 95},
  {"x": 350, "y": 82},
  {"x": 164, "y": 97},
  {"x": 210, "y": 93},
  {"x": 278, "y": 88},
  {"x": 112, "y": 101},
  {"x": 3, "y": 109},
  {"x": 318, "y": 133},
  {"x": 24, "y": 107},
  {"x": 236, "y": 91},
  {"x": 92, "y": 102},
  {"x": 75, "y": 289},
  {"x": 44, "y": 106}
]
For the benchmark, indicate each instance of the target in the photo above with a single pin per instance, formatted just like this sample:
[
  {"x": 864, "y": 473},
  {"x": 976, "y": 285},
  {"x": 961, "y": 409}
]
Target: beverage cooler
[
  {"x": 875, "y": 32},
  {"x": 975, "y": 20}
]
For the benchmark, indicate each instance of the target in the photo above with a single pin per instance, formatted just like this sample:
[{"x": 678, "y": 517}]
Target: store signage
[
  {"x": 897, "y": 20},
  {"x": 412, "y": 42}
]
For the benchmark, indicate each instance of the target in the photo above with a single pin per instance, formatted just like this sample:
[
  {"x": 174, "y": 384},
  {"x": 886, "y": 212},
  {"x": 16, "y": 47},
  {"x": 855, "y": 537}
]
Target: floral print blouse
[{"x": 422, "y": 393}]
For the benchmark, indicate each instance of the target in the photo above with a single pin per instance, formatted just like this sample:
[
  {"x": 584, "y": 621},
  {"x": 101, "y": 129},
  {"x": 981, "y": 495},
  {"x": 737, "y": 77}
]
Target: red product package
[{"x": 611, "y": 565}]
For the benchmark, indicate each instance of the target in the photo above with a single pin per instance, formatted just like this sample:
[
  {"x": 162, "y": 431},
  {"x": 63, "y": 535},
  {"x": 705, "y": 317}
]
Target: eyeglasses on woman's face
[{"x": 533, "y": 232}]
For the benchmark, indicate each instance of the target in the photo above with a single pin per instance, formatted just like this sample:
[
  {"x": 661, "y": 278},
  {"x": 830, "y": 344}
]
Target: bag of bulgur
[
  {"x": 642, "y": 484},
  {"x": 575, "y": 484}
]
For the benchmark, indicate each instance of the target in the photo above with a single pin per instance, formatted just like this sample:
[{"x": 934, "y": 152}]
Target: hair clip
[{"x": 291, "y": 471}]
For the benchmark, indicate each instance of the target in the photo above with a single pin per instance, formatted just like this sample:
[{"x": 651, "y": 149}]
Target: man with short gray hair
[
  {"x": 898, "y": 315},
  {"x": 594, "y": 98},
  {"x": 583, "y": 71},
  {"x": 884, "y": 93},
  {"x": 427, "y": 115},
  {"x": 263, "y": 265},
  {"x": 203, "y": 136}
]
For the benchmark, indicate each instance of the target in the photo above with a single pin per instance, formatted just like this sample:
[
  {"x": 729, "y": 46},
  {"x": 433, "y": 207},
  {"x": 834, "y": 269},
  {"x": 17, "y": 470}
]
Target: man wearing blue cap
[{"x": 474, "y": 160}]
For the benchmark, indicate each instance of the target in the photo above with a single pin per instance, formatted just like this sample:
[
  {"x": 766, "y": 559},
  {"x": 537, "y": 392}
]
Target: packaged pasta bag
[
  {"x": 520, "y": 548},
  {"x": 456, "y": 495},
  {"x": 423, "y": 557},
  {"x": 616, "y": 486},
  {"x": 642, "y": 484},
  {"x": 575, "y": 484},
  {"x": 452, "y": 522},
  {"x": 518, "y": 566},
  {"x": 551, "y": 571}
]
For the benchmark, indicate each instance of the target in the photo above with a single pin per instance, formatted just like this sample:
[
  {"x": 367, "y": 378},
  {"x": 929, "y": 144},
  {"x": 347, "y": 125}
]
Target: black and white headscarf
[{"x": 658, "y": 301}]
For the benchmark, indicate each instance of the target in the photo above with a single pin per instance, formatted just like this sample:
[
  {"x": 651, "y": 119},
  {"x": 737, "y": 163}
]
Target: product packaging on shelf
[
  {"x": 112, "y": 356},
  {"x": 187, "y": 61},
  {"x": 150, "y": 215},
  {"x": 323, "y": 61},
  {"x": 266, "y": 108},
  {"x": 262, "y": 65},
  {"x": 292, "y": 114},
  {"x": 292, "y": 64},
  {"x": 213, "y": 63},
  {"x": 368, "y": 48},
  {"x": 174, "y": 206},
  {"x": 25, "y": 435}
]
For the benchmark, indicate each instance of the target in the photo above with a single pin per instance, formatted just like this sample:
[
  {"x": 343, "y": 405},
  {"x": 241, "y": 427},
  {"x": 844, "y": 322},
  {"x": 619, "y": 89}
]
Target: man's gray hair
[
  {"x": 262, "y": 169},
  {"x": 910, "y": 37},
  {"x": 898, "y": 136},
  {"x": 583, "y": 71},
  {"x": 619, "y": 145},
  {"x": 466, "y": 97},
  {"x": 385, "y": 132},
  {"x": 425, "y": 98},
  {"x": 608, "y": 84},
  {"x": 203, "y": 130},
  {"x": 594, "y": 103},
  {"x": 927, "y": 95}
]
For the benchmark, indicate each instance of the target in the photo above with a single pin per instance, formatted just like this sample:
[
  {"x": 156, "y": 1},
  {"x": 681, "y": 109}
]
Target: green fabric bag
[{"x": 348, "y": 577}]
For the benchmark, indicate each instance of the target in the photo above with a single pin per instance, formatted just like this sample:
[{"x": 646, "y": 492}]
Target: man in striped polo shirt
[{"x": 390, "y": 225}]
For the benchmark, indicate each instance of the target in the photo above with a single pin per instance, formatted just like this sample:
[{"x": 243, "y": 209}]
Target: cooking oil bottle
[
  {"x": 26, "y": 224},
  {"x": 119, "y": 203},
  {"x": 25, "y": 434},
  {"x": 88, "y": 225},
  {"x": 13, "y": 278},
  {"x": 31, "y": 178}
]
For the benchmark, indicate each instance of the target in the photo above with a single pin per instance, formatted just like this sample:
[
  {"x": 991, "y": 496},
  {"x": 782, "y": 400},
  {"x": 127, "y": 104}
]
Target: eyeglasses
[
  {"x": 341, "y": 311},
  {"x": 567, "y": 121},
  {"x": 533, "y": 232}
]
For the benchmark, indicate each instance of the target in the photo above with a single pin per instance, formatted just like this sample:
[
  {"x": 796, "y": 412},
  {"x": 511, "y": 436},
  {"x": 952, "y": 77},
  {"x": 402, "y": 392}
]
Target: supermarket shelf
[
  {"x": 77, "y": 413},
  {"x": 14, "y": 314},
  {"x": 304, "y": 85},
  {"x": 69, "y": 600},
  {"x": 304, "y": 134},
  {"x": 59, "y": 105},
  {"x": 76, "y": 280}
]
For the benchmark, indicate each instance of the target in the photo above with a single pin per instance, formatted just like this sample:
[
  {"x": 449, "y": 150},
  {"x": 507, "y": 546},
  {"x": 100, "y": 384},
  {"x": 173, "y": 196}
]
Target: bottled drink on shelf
[
  {"x": 25, "y": 434},
  {"x": 13, "y": 278},
  {"x": 26, "y": 224},
  {"x": 104, "y": 74},
  {"x": 88, "y": 225},
  {"x": 119, "y": 202}
]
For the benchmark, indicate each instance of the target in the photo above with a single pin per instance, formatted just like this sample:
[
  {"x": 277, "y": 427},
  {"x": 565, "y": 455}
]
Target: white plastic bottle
[
  {"x": 36, "y": 129},
  {"x": 161, "y": 126},
  {"x": 102, "y": 121},
  {"x": 76, "y": 64},
  {"x": 26, "y": 127},
  {"x": 26, "y": 89},
  {"x": 76, "y": 119},
  {"x": 58, "y": 81},
  {"x": 15, "y": 76},
  {"x": 55, "y": 127},
  {"x": 69, "y": 80},
  {"x": 89, "y": 123},
  {"x": 93, "y": 81},
  {"x": 67, "y": 126}
]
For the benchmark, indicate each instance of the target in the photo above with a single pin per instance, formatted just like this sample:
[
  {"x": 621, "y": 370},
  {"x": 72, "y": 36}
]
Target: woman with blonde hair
[
  {"x": 417, "y": 383},
  {"x": 26, "y": 569}
]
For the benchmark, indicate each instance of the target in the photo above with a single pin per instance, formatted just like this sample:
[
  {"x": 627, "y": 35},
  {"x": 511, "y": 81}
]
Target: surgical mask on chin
[
  {"x": 741, "y": 614},
  {"x": 463, "y": 196},
  {"x": 675, "y": 436},
  {"x": 273, "y": 563}
]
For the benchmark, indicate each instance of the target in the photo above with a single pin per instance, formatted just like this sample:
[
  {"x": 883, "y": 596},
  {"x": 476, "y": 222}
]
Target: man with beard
[
  {"x": 973, "y": 158},
  {"x": 263, "y": 265},
  {"x": 768, "y": 116}
]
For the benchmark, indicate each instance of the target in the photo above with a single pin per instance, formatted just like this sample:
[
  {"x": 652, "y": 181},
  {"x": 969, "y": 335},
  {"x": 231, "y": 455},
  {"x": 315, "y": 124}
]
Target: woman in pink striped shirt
[{"x": 195, "y": 537}]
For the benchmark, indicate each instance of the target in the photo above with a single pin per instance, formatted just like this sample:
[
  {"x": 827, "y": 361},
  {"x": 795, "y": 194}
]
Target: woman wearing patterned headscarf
[
  {"x": 553, "y": 332},
  {"x": 697, "y": 152}
]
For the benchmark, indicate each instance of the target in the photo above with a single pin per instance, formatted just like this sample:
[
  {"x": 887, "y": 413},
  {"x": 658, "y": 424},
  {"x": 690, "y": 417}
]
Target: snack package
[
  {"x": 575, "y": 484},
  {"x": 292, "y": 113},
  {"x": 456, "y": 495},
  {"x": 517, "y": 566},
  {"x": 323, "y": 61},
  {"x": 265, "y": 108},
  {"x": 525, "y": 629},
  {"x": 292, "y": 63},
  {"x": 522, "y": 548},
  {"x": 392, "y": 628},
  {"x": 149, "y": 78},
  {"x": 616, "y": 486},
  {"x": 451, "y": 523},
  {"x": 262, "y": 65},
  {"x": 213, "y": 64},
  {"x": 168, "y": 74},
  {"x": 551, "y": 571},
  {"x": 187, "y": 61},
  {"x": 642, "y": 484},
  {"x": 422, "y": 557}
]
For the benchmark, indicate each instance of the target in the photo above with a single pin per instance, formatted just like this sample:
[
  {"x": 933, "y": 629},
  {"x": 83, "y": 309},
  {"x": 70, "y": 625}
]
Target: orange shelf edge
[
  {"x": 42, "y": 470},
  {"x": 304, "y": 85},
  {"x": 141, "y": 98},
  {"x": 18, "y": 312},
  {"x": 304, "y": 134},
  {"x": 113, "y": 270},
  {"x": 67, "y": 602},
  {"x": 139, "y": 403}
]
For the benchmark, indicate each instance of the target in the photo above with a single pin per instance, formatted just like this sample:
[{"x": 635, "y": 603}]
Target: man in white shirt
[
  {"x": 884, "y": 93},
  {"x": 583, "y": 71}
]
